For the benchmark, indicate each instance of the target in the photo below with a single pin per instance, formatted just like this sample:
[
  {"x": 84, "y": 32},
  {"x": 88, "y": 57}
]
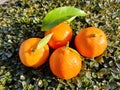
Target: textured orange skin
[
  {"x": 65, "y": 63},
  {"x": 91, "y": 42},
  {"x": 32, "y": 58},
  {"x": 62, "y": 34}
]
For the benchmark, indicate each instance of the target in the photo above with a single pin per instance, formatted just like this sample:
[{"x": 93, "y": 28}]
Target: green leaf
[
  {"x": 44, "y": 41},
  {"x": 61, "y": 14}
]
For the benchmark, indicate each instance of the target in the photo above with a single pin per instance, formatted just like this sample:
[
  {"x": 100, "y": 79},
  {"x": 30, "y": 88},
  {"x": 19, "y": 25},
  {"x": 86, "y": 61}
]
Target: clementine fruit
[
  {"x": 65, "y": 63},
  {"x": 91, "y": 42},
  {"x": 62, "y": 34},
  {"x": 30, "y": 56}
]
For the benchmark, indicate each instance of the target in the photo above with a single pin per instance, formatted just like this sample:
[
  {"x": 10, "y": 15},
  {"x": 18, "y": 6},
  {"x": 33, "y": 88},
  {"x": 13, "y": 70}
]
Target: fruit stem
[
  {"x": 95, "y": 35},
  {"x": 33, "y": 50},
  {"x": 67, "y": 45},
  {"x": 44, "y": 41},
  {"x": 70, "y": 20}
]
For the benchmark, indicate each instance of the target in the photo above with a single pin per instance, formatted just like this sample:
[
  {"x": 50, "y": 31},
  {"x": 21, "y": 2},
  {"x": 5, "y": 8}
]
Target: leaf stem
[{"x": 44, "y": 41}]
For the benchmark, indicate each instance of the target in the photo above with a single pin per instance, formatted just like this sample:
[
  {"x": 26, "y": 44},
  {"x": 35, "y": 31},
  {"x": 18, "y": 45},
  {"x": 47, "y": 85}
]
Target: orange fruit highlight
[
  {"x": 91, "y": 42},
  {"x": 30, "y": 56},
  {"x": 65, "y": 63},
  {"x": 62, "y": 34}
]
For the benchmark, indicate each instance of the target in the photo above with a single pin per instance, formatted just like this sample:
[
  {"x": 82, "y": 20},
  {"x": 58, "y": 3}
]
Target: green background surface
[{"x": 22, "y": 19}]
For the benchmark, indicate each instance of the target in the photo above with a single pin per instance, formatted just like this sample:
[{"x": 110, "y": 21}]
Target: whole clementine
[
  {"x": 62, "y": 34},
  {"x": 91, "y": 42},
  {"x": 65, "y": 63},
  {"x": 30, "y": 56}
]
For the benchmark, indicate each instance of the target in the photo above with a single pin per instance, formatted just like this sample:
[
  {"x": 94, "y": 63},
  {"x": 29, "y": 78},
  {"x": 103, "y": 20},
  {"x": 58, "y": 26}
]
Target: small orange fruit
[
  {"x": 65, "y": 63},
  {"x": 30, "y": 56},
  {"x": 91, "y": 42},
  {"x": 62, "y": 33}
]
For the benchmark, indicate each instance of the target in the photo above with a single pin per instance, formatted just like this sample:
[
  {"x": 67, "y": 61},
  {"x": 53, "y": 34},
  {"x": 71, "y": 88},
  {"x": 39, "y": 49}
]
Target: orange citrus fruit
[
  {"x": 91, "y": 42},
  {"x": 65, "y": 63},
  {"x": 30, "y": 56},
  {"x": 62, "y": 34}
]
